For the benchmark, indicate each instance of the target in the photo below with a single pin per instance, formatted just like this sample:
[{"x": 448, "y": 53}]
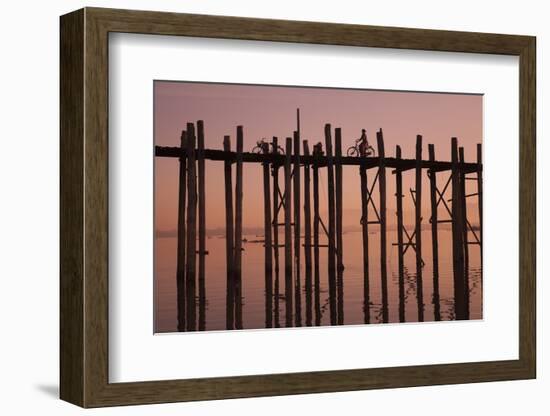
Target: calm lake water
[{"x": 253, "y": 287}]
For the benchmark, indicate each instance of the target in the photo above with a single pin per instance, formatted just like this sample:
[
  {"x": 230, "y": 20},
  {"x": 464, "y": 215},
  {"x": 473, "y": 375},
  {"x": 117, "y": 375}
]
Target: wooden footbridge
[{"x": 283, "y": 208}]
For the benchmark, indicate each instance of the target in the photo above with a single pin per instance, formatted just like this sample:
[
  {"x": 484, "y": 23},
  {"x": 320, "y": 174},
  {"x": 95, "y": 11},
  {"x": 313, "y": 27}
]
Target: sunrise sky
[{"x": 267, "y": 111}]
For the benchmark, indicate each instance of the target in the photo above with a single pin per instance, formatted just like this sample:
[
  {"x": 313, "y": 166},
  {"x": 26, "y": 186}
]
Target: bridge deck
[{"x": 368, "y": 162}]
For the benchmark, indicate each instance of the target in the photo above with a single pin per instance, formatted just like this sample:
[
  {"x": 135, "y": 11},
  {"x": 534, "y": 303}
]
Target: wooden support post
[
  {"x": 365, "y": 235},
  {"x": 400, "y": 254},
  {"x": 435, "y": 237},
  {"x": 202, "y": 225},
  {"x": 267, "y": 244},
  {"x": 275, "y": 173},
  {"x": 316, "y": 223},
  {"x": 190, "y": 270},
  {"x": 331, "y": 228},
  {"x": 339, "y": 225},
  {"x": 457, "y": 230},
  {"x": 288, "y": 234},
  {"x": 180, "y": 273},
  {"x": 464, "y": 224},
  {"x": 239, "y": 230},
  {"x": 297, "y": 229},
  {"x": 229, "y": 238},
  {"x": 307, "y": 236},
  {"x": 383, "y": 241},
  {"x": 418, "y": 229},
  {"x": 480, "y": 206}
]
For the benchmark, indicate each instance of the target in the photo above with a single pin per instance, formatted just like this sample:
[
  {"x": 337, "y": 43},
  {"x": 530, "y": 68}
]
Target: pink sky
[{"x": 267, "y": 111}]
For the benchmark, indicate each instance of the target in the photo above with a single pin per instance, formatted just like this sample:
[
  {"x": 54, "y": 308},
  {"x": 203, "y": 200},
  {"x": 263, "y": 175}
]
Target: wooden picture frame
[{"x": 84, "y": 207}]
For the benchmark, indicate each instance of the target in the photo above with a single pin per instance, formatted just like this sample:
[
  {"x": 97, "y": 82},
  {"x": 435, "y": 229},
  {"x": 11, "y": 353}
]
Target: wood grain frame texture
[{"x": 84, "y": 207}]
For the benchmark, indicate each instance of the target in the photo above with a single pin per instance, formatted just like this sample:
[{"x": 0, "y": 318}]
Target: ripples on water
[{"x": 254, "y": 290}]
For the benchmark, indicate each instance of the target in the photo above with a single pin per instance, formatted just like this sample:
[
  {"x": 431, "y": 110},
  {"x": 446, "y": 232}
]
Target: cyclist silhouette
[
  {"x": 363, "y": 142},
  {"x": 361, "y": 147}
]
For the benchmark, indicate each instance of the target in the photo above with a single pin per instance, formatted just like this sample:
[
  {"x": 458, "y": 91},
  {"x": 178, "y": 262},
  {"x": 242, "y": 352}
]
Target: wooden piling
[
  {"x": 307, "y": 236},
  {"x": 316, "y": 223},
  {"x": 365, "y": 235},
  {"x": 479, "y": 176},
  {"x": 435, "y": 237},
  {"x": 464, "y": 224},
  {"x": 202, "y": 225},
  {"x": 457, "y": 231},
  {"x": 383, "y": 237},
  {"x": 339, "y": 224},
  {"x": 297, "y": 229},
  {"x": 288, "y": 234},
  {"x": 331, "y": 227},
  {"x": 275, "y": 173},
  {"x": 400, "y": 254},
  {"x": 418, "y": 229},
  {"x": 267, "y": 244},
  {"x": 229, "y": 238},
  {"x": 180, "y": 269},
  {"x": 239, "y": 230},
  {"x": 190, "y": 269}
]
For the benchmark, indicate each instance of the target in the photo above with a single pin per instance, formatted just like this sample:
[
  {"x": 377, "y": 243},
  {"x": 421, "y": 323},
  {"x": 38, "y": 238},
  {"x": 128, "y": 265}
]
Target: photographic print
[{"x": 291, "y": 206}]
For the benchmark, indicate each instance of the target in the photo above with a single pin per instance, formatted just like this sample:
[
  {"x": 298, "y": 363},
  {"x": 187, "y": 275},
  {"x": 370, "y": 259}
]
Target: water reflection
[{"x": 402, "y": 305}]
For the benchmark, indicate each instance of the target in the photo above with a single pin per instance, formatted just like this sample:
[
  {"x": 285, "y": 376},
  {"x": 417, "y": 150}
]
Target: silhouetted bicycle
[
  {"x": 355, "y": 150},
  {"x": 260, "y": 145}
]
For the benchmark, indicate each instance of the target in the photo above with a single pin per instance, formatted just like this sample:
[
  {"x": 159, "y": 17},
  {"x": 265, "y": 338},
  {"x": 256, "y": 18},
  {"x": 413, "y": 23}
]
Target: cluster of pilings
[
  {"x": 288, "y": 200},
  {"x": 191, "y": 191},
  {"x": 284, "y": 208}
]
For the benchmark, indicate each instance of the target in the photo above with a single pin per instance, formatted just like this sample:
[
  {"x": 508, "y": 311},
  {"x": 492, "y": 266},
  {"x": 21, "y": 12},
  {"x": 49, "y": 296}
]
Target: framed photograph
[{"x": 255, "y": 207}]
